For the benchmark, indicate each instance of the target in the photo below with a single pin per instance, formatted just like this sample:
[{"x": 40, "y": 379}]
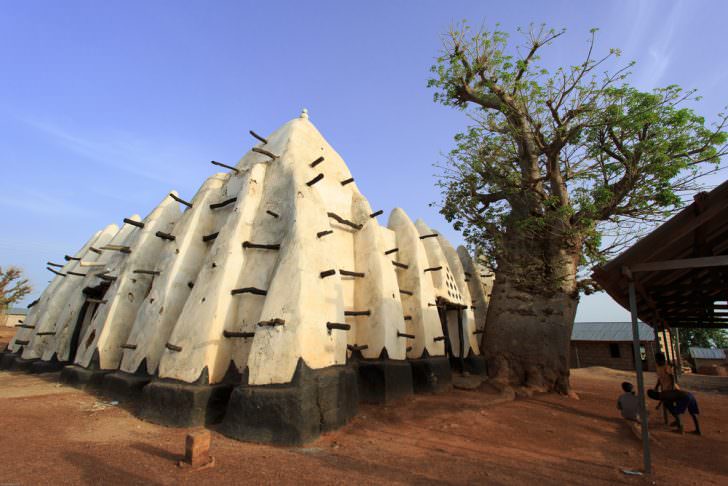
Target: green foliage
[
  {"x": 703, "y": 338},
  {"x": 577, "y": 160}
]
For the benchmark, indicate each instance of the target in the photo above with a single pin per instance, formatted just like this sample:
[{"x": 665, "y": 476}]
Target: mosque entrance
[
  {"x": 94, "y": 297},
  {"x": 451, "y": 320}
]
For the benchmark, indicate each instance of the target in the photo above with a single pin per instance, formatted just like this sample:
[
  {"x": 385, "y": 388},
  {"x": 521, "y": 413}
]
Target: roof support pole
[
  {"x": 461, "y": 337},
  {"x": 658, "y": 345},
  {"x": 666, "y": 352},
  {"x": 670, "y": 355},
  {"x": 646, "y": 460},
  {"x": 442, "y": 313},
  {"x": 678, "y": 372},
  {"x": 668, "y": 348}
]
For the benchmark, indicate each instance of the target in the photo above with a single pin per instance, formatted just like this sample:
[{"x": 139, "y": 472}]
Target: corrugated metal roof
[
  {"x": 17, "y": 311},
  {"x": 609, "y": 331},
  {"x": 706, "y": 353}
]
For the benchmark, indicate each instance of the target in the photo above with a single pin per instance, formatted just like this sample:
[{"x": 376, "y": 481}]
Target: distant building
[
  {"x": 13, "y": 316},
  {"x": 705, "y": 357},
  {"x": 609, "y": 344}
]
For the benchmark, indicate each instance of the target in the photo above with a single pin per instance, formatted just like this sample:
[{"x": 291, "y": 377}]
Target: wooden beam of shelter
[{"x": 701, "y": 262}]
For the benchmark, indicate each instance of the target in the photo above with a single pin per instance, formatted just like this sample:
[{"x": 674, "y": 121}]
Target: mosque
[{"x": 272, "y": 301}]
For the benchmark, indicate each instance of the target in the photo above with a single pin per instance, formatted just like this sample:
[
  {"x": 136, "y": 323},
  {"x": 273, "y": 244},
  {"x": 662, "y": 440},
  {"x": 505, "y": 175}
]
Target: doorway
[{"x": 451, "y": 320}]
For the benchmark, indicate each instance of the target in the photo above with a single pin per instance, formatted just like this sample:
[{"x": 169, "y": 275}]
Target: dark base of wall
[
  {"x": 476, "y": 365},
  {"x": 180, "y": 404},
  {"x": 83, "y": 378},
  {"x": 473, "y": 364},
  {"x": 20, "y": 364},
  {"x": 7, "y": 359},
  {"x": 431, "y": 375},
  {"x": 51, "y": 366},
  {"x": 383, "y": 380},
  {"x": 315, "y": 401},
  {"x": 124, "y": 386}
]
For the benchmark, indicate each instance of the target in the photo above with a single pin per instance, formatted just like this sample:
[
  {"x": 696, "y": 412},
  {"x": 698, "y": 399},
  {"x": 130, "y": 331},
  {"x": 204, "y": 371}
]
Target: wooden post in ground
[{"x": 197, "y": 449}]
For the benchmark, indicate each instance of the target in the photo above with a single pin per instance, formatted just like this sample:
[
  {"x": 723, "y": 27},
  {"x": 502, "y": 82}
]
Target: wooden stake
[
  {"x": 255, "y": 135},
  {"x": 223, "y": 203},
  {"x": 265, "y": 152},
  {"x": 249, "y": 290},
  {"x": 343, "y": 221},
  {"x": 180, "y": 200},
  {"x": 54, "y": 271},
  {"x": 348, "y": 273},
  {"x": 315, "y": 180},
  {"x": 220, "y": 164},
  {"x": 138, "y": 224}
]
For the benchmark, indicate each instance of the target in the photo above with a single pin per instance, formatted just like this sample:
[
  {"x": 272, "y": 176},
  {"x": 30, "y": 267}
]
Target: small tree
[
  {"x": 551, "y": 164},
  {"x": 13, "y": 286}
]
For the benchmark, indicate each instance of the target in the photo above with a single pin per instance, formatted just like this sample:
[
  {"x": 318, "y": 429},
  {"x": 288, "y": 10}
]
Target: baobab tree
[{"x": 556, "y": 170}]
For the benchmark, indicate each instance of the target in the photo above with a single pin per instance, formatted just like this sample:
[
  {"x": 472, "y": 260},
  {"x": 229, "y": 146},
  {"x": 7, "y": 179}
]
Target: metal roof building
[
  {"x": 706, "y": 353},
  {"x": 609, "y": 331},
  {"x": 17, "y": 311}
]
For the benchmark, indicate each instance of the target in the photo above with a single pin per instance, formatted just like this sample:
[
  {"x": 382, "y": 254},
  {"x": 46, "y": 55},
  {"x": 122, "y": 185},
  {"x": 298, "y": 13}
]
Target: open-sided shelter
[{"x": 676, "y": 276}]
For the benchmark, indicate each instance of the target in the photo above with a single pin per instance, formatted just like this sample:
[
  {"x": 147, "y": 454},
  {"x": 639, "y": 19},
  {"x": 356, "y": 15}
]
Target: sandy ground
[{"x": 53, "y": 434}]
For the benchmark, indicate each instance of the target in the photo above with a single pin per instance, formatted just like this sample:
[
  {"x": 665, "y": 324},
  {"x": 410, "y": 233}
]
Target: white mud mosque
[{"x": 273, "y": 302}]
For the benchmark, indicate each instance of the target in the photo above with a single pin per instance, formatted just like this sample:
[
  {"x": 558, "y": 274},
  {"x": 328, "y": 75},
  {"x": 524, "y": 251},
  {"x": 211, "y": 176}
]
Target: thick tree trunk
[{"x": 531, "y": 314}]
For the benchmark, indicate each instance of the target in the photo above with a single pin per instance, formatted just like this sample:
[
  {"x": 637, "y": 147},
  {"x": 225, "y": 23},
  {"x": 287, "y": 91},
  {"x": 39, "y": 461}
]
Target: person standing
[
  {"x": 665, "y": 379},
  {"x": 665, "y": 374}
]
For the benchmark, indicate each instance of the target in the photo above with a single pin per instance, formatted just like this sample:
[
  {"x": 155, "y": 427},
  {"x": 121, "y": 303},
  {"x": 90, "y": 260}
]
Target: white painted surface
[
  {"x": 376, "y": 292},
  {"x": 68, "y": 318},
  {"x": 114, "y": 318},
  {"x": 180, "y": 262},
  {"x": 421, "y": 305},
  {"x": 449, "y": 288},
  {"x": 45, "y": 314},
  {"x": 479, "y": 287},
  {"x": 457, "y": 278}
]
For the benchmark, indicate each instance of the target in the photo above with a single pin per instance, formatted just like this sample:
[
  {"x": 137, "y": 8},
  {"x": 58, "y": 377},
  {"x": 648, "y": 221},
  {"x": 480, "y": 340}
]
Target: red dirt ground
[{"x": 52, "y": 434}]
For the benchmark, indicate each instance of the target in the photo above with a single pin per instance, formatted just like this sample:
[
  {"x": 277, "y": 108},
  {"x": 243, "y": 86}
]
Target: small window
[{"x": 614, "y": 350}]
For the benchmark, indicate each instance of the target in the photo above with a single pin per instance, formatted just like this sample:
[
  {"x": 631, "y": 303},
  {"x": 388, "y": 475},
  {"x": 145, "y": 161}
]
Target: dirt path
[{"x": 52, "y": 434}]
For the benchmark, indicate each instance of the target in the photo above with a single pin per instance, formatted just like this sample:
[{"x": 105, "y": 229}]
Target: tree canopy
[
  {"x": 703, "y": 338},
  {"x": 574, "y": 154}
]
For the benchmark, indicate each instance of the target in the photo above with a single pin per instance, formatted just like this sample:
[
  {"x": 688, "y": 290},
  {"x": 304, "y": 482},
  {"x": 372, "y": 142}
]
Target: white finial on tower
[{"x": 304, "y": 113}]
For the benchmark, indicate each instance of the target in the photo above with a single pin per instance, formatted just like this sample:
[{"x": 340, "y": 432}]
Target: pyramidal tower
[{"x": 272, "y": 300}]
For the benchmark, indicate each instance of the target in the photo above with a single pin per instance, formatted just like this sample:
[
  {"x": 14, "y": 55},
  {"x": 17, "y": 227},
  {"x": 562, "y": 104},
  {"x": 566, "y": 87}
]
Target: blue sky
[{"x": 106, "y": 106}]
